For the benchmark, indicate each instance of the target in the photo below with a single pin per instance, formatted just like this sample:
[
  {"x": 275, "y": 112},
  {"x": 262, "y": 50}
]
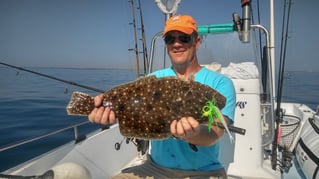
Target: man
[{"x": 173, "y": 157}]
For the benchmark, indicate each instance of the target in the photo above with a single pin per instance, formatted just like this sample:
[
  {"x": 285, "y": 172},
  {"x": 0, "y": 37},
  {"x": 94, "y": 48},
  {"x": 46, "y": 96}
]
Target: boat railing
[
  {"x": 271, "y": 104},
  {"x": 268, "y": 106},
  {"x": 77, "y": 138},
  {"x": 152, "y": 50}
]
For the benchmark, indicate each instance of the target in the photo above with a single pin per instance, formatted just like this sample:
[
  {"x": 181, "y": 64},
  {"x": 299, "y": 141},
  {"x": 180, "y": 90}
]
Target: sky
[{"x": 98, "y": 34}]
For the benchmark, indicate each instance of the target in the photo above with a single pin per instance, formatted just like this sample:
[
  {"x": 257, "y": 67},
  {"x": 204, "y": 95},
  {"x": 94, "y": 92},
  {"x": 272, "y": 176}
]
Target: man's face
[{"x": 181, "y": 47}]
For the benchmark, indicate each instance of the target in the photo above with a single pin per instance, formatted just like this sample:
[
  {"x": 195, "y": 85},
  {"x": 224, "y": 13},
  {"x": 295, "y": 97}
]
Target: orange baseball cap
[{"x": 183, "y": 23}]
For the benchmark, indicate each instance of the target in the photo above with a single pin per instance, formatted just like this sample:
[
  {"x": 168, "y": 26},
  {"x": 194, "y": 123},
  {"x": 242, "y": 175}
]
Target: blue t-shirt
[{"x": 176, "y": 153}]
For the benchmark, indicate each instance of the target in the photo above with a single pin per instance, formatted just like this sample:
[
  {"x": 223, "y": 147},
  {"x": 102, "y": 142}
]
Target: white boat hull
[{"x": 97, "y": 153}]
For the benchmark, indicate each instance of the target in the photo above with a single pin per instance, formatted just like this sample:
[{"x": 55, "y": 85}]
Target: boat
[{"x": 277, "y": 136}]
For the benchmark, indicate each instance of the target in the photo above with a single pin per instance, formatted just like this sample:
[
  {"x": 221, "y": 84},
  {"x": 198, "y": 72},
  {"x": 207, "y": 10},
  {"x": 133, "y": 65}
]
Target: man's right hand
[{"x": 101, "y": 114}]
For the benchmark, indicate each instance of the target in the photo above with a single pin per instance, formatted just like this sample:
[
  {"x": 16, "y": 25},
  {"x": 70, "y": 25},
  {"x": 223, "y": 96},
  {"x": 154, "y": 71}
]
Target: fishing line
[{"x": 54, "y": 78}]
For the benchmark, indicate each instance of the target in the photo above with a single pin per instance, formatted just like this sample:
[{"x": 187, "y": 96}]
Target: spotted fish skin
[{"x": 146, "y": 107}]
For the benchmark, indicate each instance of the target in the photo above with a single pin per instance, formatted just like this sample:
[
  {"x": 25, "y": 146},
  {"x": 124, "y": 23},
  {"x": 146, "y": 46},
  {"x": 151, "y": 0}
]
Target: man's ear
[{"x": 197, "y": 42}]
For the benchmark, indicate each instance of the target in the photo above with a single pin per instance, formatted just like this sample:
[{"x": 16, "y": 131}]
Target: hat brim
[{"x": 185, "y": 30}]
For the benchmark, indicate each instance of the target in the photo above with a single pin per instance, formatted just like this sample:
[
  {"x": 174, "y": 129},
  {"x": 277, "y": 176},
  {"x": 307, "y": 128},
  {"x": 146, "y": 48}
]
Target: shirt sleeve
[{"x": 226, "y": 88}]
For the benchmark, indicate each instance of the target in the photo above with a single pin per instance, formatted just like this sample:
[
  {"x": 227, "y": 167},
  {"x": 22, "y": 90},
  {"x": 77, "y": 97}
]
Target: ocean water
[
  {"x": 31, "y": 105},
  {"x": 302, "y": 87}
]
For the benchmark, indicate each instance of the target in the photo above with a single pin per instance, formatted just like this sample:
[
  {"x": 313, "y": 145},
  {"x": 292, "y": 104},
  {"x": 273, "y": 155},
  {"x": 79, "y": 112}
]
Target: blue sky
[{"x": 97, "y": 34}]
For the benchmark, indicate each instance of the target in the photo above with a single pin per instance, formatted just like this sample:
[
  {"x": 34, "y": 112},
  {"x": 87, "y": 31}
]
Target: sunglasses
[{"x": 169, "y": 39}]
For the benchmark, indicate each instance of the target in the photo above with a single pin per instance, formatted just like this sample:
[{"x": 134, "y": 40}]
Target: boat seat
[{"x": 71, "y": 170}]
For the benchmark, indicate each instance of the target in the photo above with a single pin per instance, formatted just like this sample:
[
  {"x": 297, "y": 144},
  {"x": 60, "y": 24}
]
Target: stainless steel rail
[{"x": 19, "y": 143}]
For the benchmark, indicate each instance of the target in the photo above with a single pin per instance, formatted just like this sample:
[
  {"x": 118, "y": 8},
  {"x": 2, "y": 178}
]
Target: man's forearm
[{"x": 206, "y": 138}]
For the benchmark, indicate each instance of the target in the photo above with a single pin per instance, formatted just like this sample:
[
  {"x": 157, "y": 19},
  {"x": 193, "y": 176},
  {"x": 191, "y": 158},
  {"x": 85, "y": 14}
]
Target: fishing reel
[{"x": 141, "y": 145}]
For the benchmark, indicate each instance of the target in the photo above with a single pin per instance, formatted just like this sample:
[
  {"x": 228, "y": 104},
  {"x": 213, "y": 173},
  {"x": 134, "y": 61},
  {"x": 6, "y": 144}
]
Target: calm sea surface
[{"x": 31, "y": 105}]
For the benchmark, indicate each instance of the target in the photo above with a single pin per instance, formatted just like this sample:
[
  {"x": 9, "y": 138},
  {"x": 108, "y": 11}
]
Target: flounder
[{"x": 146, "y": 107}]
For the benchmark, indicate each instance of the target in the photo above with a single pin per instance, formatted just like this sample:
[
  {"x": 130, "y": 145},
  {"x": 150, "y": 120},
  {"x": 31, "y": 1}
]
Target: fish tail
[{"x": 80, "y": 104}]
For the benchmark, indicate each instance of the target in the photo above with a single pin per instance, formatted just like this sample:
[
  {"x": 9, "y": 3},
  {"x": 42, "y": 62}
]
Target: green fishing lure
[{"x": 212, "y": 112}]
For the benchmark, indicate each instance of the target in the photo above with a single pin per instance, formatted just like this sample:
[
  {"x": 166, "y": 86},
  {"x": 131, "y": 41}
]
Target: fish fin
[
  {"x": 191, "y": 77},
  {"x": 80, "y": 104},
  {"x": 146, "y": 78}
]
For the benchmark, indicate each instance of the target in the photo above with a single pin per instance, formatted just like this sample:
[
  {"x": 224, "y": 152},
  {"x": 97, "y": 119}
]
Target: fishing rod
[
  {"x": 135, "y": 40},
  {"x": 54, "y": 78},
  {"x": 145, "y": 56},
  {"x": 279, "y": 116}
]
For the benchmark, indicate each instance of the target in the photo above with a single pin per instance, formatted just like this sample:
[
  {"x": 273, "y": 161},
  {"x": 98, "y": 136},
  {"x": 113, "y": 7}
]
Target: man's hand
[
  {"x": 186, "y": 127},
  {"x": 189, "y": 129},
  {"x": 100, "y": 114}
]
